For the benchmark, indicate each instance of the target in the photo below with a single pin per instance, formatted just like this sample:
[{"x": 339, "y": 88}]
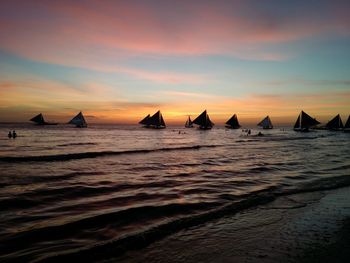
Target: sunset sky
[{"x": 120, "y": 60}]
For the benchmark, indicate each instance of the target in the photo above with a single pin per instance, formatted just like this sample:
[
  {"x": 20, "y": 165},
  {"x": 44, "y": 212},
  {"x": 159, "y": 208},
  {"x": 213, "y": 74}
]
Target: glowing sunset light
[{"x": 120, "y": 60}]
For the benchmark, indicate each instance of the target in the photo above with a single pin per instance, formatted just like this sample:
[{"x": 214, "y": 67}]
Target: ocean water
[{"x": 96, "y": 192}]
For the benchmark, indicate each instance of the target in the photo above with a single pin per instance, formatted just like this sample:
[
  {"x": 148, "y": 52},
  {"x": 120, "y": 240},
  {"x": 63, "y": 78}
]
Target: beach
[
  {"x": 306, "y": 227},
  {"x": 174, "y": 131}
]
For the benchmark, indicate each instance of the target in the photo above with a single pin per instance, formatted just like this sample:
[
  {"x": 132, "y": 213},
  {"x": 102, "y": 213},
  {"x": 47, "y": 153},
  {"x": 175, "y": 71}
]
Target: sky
[{"x": 117, "y": 61}]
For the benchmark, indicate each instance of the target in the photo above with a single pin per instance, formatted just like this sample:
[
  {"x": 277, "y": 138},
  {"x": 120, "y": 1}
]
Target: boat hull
[
  {"x": 301, "y": 129},
  {"x": 46, "y": 123},
  {"x": 233, "y": 128},
  {"x": 155, "y": 127},
  {"x": 205, "y": 128}
]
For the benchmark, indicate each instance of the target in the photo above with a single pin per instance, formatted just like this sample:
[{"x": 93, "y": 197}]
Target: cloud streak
[
  {"x": 167, "y": 51},
  {"x": 67, "y": 32}
]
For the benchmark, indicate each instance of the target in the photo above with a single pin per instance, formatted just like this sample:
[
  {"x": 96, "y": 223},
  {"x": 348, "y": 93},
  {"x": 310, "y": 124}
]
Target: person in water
[
  {"x": 10, "y": 135},
  {"x": 14, "y": 134}
]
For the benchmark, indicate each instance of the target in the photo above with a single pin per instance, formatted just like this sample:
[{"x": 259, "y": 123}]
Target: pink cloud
[{"x": 67, "y": 32}]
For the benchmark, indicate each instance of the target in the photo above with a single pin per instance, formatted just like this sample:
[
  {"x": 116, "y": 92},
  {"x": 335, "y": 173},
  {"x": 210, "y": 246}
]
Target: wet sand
[{"x": 307, "y": 227}]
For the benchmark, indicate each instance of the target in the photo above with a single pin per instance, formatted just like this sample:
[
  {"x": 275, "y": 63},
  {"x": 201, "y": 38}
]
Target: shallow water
[{"x": 64, "y": 189}]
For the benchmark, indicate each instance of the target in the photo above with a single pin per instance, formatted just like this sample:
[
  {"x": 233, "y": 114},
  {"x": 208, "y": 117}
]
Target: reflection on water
[{"x": 78, "y": 197}]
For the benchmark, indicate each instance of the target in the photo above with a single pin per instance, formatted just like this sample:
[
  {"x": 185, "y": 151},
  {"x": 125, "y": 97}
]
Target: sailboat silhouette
[
  {"x": 189, "y": 123},
  {"x": 39, "y": 120},
  {"x": 203, "y": 121},
  {"x": 335, "y": 124},
  {"x": 304, "y": 122},
  {"x": 79, "y": 121},
  {"x": 233, "y": 123},
  {"x": 155, "y": 121},
  {"x": 266, "y": 123}
]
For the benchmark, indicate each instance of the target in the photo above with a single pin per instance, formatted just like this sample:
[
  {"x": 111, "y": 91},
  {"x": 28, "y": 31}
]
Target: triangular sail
[
  {"x": 297, "y": 123},
  {"x": 78, "y": 120},
  {"x": 38, "y": 119},
  {"x": 305, "y": 121},
  {"x": 156, "y": 120},
  {"x": 335, "y": 123},
  {"x": 233, "y": 122},
  {"x": 203, "y": 120},
  {"x": 162, "y": 122},
  {"x": 145, "y": 120},
  {"x": 347, "y": 124},
  {"x": 266, "y": 123}
]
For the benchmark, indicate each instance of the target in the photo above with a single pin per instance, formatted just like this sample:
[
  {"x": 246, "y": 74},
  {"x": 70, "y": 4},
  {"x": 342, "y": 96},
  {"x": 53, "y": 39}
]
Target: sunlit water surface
[{"x": 86, "y": 187}]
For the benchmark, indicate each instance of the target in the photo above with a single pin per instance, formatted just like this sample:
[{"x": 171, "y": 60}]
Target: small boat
[
  {"x": 39, "y": 120},
  {"x": 305, "y": 122},
  {"x": 233, "y": 123},
  {"x": 203, "y": 121},
  {"x": 347, "y": 125},
  {"x": 144, "y": 121},
  {"x": 335, "y": 124},
  {"x": 154, "y": 122},
  {"x": 266, "y": 123},
  {"x": 79, "y": 121},
  {"x": 189, "y": 123}
]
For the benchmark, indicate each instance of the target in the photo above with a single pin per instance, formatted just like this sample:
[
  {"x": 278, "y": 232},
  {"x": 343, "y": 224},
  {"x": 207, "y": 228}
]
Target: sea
[{"x": 98, "y": 192}]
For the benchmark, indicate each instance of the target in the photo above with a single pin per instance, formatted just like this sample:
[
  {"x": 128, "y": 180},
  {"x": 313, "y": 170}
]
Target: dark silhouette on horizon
[
  {"x": 305, "y": 122},
  {"x": 203, "y": 121},
  {"x": 156, "y": 121},
  {"x": 189, "y": 123},
  {"x": 79, "y": 121},
  {"x": 266, "y": 123},
  {"x": 39, "y": 120},
  {"x": 233, "y": 123}
]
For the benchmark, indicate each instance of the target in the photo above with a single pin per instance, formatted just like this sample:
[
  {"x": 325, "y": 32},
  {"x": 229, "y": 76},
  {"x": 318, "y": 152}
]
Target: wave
[
  {"x": 85, "y": 155},
  {"x": 134, "y": 215},
  {"x": 76, "y": 144},
  {"x": 118, "y": 246},
  {"x": 45, "y": 196},
  {"x": 48, "y": 178},
  {"x": 290, "y": 138}
]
